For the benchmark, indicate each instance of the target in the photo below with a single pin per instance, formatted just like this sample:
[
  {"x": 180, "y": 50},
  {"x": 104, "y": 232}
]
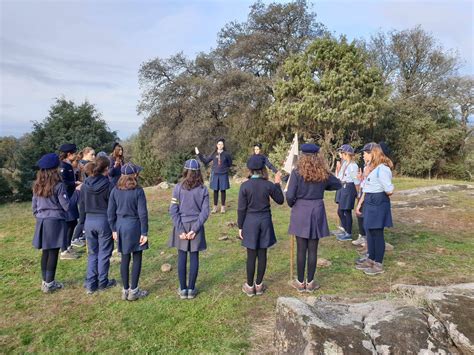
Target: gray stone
[
  {"x": 164, "y": 185},
  {"x": 166, "y": 267}
]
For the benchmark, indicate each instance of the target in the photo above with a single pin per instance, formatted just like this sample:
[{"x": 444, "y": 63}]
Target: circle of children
[{"x": 81, "y": 198}]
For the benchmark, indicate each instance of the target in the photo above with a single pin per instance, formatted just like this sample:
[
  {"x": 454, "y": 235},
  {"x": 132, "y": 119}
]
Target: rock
[
  {"x": 401, "y": 263},
  {"x": 224, "y": 237},
  {"x": 323, "y": 262},
  {"x": 437, "y": 188},
  {"x": 162, "y": 253},
  {"x": 164, "y": 185},
  {"x": 388, "y": 247},
  {"x": 166, "y": 267}
]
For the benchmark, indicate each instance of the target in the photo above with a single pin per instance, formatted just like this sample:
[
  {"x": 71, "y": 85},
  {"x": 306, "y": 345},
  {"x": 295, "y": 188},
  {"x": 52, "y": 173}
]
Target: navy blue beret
[
  {"x": 192, "y": 164},
  {"x": 48, "y": 161},
  {"x": 68, "y": 147},
  {"x": 309, "y": 148},
  {"x": 256, "y": 162},
  {"x": 258, "y": 145},
  {"x": 130, "y": 168}
]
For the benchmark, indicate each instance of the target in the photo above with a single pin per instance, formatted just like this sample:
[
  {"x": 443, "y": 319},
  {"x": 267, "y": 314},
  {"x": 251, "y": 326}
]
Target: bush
[{"x": 6, "y": 190}]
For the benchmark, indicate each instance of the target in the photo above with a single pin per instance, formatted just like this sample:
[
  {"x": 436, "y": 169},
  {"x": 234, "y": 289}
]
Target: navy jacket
[
  {"x": 299, "y": 189},
  {"x": 254, "y": 197},
  {"x": 94, "y": 196},
  {"x": 268, "y": 164},
  {"x": 114, "y": 172},
  {"x": 218, "y": 169},
  {"x": 128, "y": 204},
  {"x": 54, "y": 206},
  {"x": 69, "y": 177}
]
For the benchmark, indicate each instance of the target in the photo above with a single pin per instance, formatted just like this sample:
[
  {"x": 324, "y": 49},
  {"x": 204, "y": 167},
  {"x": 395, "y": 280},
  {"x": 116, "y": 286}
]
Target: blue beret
[
  {"x": 130, "y": 168},
  {"x": 48, "y": 161},
  {"x": 309, "y": 148},
  {"x": 256, "y": 162},
  {"x": 192, "y": 164},
  {"x": 368, "y": 147},
  {"x": 346, "y": 148},
  {"x": 68, "y": 147}
]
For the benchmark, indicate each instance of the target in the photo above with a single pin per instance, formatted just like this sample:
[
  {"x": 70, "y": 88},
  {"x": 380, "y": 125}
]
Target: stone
[
  {"x": 224, "y": 237},
  {"x": 166, "y": 267},
  {"x": 323, "y": 262},
  {"x": 162, "y": 253},
  {"x": 164, "y": 185},
  {"x": 401, "y": 263},
  {"x": 388, "y": 247}
]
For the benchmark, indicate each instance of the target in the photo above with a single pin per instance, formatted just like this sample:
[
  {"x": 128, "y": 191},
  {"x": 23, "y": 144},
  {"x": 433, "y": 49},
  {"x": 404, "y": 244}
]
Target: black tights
[
  {"x": 49, "y": 262},
  {"x": 252, "y": 255},
  {"x": 216, "y": 197},
  {"x": 136, "y": 269},
  {"x": 306, "y": 246}
]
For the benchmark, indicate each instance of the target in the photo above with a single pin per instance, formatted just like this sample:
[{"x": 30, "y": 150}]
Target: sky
[{"x": 92, "y": 50}]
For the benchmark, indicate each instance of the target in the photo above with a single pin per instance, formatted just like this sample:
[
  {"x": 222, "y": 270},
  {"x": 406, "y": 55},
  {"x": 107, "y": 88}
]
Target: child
[
  {"x": 345, "y": 197},
  {"x": 128, "y": 219},
  {"x": 116, "y": 163},
  {"x": 50, "y": 204},
  {"x": 257, "y": 150},
  {"x": 93, "y": 203},
  {"x": 377, "y": 210},
  {"x": 255, "y": 220},
  {"x": 189, "y": 210},
  {"x": 221, "y": 163},
  {"x": 308, "y": 222}
]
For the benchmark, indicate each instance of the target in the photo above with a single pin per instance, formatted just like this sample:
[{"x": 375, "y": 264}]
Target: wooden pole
[{"x": 292, "y": 256}]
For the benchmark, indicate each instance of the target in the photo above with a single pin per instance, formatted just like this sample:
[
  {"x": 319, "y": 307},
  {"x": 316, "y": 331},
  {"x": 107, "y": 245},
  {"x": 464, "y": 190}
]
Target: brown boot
[
  {"x": 299, "y": 286},
  {"x": 311, "y": 286}
]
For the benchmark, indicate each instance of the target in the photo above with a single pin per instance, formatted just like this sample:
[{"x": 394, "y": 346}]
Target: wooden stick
[{"x": 292, "y": 256}]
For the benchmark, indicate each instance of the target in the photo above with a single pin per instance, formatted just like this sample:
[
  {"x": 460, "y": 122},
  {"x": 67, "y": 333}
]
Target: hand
[
  {"x": 196, "y": 150},
  {"x": 114, "y": 235},
  {"x": 143, "y": 240},
  {"x": 278, "y": 178},
  {"x": 191, "y": 235},
  {"x": 358, "y": 212},
  {"x": 360, "y": 176},
  {"x": 117, "y": 163},
  {"x": 78, "y": 187},
  {"x": 182, "y": 236},
  {"x": 240, "y": 234},
  {"x": 338, "y": 165}
]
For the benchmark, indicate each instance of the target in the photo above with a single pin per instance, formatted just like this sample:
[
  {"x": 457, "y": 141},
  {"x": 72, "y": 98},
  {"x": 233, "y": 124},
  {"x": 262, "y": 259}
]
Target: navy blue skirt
[
  {"x": 377, "y": 212},
  {"x": 129, "y": 232},
  {"x": 346, "y": 196},
  {"x": 308, "y": 219},
  {"x": 50, "y": 234},
  {"x": 197, "y": 244},
  {"x": 219, "y": 182},
  {"x": 258, "y": 231}
]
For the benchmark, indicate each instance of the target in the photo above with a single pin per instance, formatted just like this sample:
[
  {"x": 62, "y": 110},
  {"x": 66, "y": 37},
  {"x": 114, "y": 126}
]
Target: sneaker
[
  {"x": 222, "y": 209},
  {"x": 339, "y": 230},
  {"x": 361, "y": 260},
  {"x": 183, "y": 294},
  {"x": 90, "y": 291},
  {"x": 359, "y": 241},
  {"x": 311, "y": 286},
  {"x": 260, "y": 289},
  {"x": 376, "y": 269},
  {"x": 192, "y": 293},
  {"x": 78, "y": 243},
  {"x": 344, "y": 237},
  {"x": 68, "y": 255},
  {"x": 124, "y": 294},
  {"x": 214, "y": 209},
  {"x": 110, "y": 283},
  {"x": 136, "y": 294},
  {"x": 367, "y": 264},
  {"x": 299, "y": 286},
  {"x": 248, "y": 290},
  {"x": 51, "y": 287}
]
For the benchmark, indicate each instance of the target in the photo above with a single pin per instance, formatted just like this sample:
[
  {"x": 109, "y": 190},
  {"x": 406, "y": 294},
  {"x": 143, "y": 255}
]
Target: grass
[{"x": 221, "y": 319}]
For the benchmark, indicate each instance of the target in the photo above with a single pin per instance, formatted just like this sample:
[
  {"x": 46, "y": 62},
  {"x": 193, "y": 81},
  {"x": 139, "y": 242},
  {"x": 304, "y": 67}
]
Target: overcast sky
[{"x": 93, "y": 49}]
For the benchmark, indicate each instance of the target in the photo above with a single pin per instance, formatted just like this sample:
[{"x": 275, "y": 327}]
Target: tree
[{"x": 9, "y": 147}]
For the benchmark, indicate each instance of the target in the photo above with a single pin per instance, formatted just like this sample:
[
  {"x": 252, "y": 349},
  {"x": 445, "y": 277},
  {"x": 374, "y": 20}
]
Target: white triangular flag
[{"x": 292, "y": 156}]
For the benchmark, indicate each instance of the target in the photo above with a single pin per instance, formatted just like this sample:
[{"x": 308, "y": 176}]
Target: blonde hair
[
  {"x": 313, "y": 168},
  {"x": 378, "y": 157}
]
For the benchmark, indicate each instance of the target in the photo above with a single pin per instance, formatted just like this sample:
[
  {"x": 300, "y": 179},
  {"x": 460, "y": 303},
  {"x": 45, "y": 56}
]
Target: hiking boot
[
  {"x": 311, "y": 286},
  {"x": 376, "y": 269},
  {"x": 136, "y": 294},
  {"x": 183, "y": 294},
  {"x": 344, "y": 237},
  {"x": 68, "y": 255},
  {"x": 214, "y": 209},
  {"x": 110, "y": 283},
  {"x": 248, "y": 290},
  {"x": 78, "y": 243},
  {"x": 222, "y": 209},
  {"x": 367, "y": 264},
  {"x": 260, "y": 289},
  {"x": 124, "y": 294},
  {"x": 299, "y": 286},
  {"x": 359, "y": 241},
  {"x": 192, "y": 293}
]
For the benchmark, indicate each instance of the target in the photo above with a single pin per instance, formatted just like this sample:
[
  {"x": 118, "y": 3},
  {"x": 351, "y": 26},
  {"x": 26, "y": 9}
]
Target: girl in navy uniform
[
  {"x": 346, "y": 196},
  {"x": 67, "y": 156},
  {"x": 93, "y": 203},
  {"x": 254, "y": 219},
  {"x": 116, "y": 163},
  {"x": 128, "y": 219},
  {"x": 221, "y": 163},
  {"x": 50, "y": 204},
  {"x": 257, "y": 150},
  {"x": 377, "y": 210},
  {"x": 189, "y": 210},
  {"x": 308, "y": 221}
]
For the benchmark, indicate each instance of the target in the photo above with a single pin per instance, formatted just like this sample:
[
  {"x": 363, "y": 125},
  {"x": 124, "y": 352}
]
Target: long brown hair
[
  {"x": 192, "y": 179},
  {"x": 46, "y": 180},
  {"x": 127, "y": 182},
  {"x": 97, "y": 166},
  {"x": 115, "y": 153},
  {"x": 378, "y": 157},
  {"x": 313, "y": 167}
]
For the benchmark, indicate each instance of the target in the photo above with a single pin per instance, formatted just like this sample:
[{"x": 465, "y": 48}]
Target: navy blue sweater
[
  {"x": 94, "y": 197},
  {"x": 219, "y": 166}
]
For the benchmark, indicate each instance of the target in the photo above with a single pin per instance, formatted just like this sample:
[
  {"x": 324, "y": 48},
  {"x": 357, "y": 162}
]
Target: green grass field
[{"x": 221, "y": 319}]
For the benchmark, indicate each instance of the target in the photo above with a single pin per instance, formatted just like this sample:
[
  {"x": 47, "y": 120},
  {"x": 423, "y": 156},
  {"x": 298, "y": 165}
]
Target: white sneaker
[{"x": 359, "y": 241}]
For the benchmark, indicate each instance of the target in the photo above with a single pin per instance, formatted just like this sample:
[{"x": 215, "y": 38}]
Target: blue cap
[
  {"x": 48, "y": 161},
  {"x": 101, "y": 154},
  {"x": 130, "y": 168},
  {"x": 68, "y": 148},
  {"x": 368, "y": 147},
  {"x": 192, "y": 164},
  {"x": 309, "y": 148},
  {"x": 346, "y": 148},
  {"x": 256, "y": 162}
]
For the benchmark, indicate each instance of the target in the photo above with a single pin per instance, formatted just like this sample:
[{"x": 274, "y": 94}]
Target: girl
[
  {"x": 308, "y": 221},
  {"x": 254, "y": 219},
  {"x": 88, "y": 155},
  {"x": 221, "y": 163},
  {"x": 189, "y": 210},
  {"x": 257, "y": 150},
  {"x": 50, "y": 204},
  {"x": 345, "y": 197},
  {"x": 93, "y": 202},
  {"x": 67, "y": 156},
  {"x": 377, "y": 210},
  {"x": 116, "y": 162},
  {"x": 128, "y": 219}
]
